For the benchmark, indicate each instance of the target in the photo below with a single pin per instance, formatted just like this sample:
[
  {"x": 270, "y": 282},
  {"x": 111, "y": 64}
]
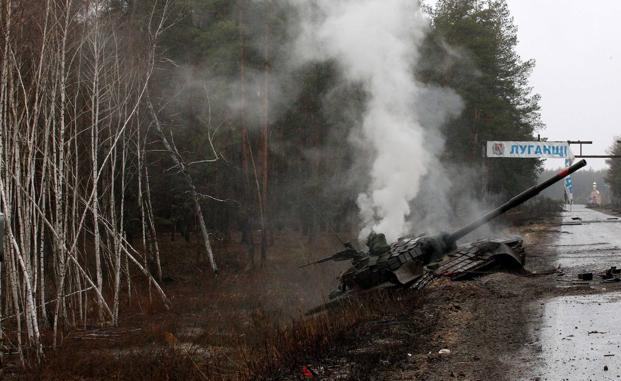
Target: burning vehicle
[{"x": 414, "y": 261}]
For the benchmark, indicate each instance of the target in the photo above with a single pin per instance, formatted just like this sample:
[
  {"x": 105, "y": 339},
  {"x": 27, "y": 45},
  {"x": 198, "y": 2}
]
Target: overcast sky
[{"x": 577, "y": 47}]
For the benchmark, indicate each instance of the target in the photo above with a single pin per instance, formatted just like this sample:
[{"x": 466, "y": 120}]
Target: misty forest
[{"x": 167, "y": 165}]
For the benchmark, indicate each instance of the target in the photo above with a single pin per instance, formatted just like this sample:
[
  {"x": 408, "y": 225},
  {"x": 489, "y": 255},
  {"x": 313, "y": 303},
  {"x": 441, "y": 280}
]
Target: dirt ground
[
  {"x": 489, "y": 325},
  {"x": 249, "y": 325},
  {"x": 214, "y": 323}
]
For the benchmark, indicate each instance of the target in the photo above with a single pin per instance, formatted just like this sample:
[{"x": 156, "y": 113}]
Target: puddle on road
[{"x": 580, "y": 337}]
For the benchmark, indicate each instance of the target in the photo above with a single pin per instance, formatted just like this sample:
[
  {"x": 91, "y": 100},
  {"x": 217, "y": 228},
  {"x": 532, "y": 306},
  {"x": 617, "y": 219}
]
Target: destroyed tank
[{"x": 414, "y": 261}]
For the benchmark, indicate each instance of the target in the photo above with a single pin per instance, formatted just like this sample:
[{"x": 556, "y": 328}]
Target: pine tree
[{"x": 472, "y": 49}]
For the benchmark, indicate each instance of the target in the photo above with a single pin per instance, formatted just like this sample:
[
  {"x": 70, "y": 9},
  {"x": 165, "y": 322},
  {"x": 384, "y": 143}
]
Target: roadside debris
[
  {"x": 611, "y": 275},
  {"x": 612, "y": 280},
  {"x": 585, "y": 276},
  {"x": 580, "y": 221},
  {"x": 444, "y": 351},
  {"x": 308, "y": 372}
]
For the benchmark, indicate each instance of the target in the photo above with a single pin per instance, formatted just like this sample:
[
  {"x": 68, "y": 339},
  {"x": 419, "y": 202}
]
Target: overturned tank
[{"x": 416, "y": 260}]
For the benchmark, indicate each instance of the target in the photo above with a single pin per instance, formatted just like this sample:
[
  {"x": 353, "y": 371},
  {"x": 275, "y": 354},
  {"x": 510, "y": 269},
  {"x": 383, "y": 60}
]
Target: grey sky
[{"x": 577, "y": 46}]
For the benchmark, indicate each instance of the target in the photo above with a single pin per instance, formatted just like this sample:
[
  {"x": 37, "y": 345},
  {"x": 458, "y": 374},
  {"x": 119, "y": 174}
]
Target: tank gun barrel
[
  {"x": 515, "y": 201},
  {"x": 347, "y": 254}
]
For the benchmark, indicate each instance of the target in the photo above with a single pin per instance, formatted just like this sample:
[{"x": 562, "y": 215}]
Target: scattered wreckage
[
  {"x": 413, "y": 262},
  {"x": 611, "y": 275}
]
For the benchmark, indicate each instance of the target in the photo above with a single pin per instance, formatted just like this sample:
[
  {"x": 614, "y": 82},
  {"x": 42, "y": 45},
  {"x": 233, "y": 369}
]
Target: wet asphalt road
[
  {"x": 580, "y": 335},
  {"x": 589, "y": 239}
]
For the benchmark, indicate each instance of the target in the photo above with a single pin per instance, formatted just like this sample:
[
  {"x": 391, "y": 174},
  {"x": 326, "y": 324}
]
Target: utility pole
[{"x": 586, "y": 142}]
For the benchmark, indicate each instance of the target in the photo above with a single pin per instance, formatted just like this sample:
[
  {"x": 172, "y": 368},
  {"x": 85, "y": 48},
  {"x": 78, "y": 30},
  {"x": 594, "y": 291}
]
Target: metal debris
[
  {"x": 611, "y": 273},
  {"x": 585, "y": 276},
  {"x": 476, "y": 259}
]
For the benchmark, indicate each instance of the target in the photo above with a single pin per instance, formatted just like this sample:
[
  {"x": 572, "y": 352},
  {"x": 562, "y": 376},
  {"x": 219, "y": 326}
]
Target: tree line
[
  {"x": 613, "y": 177},
  {"x": 122, "y": 120},
  {"x": 582, "y": 185}
]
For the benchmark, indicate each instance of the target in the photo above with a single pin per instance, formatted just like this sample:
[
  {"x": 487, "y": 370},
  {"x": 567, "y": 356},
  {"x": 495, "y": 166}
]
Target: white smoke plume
[{"x": 376, "y": 43}]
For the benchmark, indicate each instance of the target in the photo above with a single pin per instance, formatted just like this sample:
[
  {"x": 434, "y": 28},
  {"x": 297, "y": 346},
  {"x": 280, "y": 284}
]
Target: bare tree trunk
[
  {"x": 242, "y": 97},
  {"x": 143, "y": 225},
  {"x": 95, "y": 104},
  {"x": 180, "y": 164},
  {"x": 58, "y": 141},
  {"x": 265, "y": 132},
  {"x": 68, "y": 88},
  {"x": 151, "y": 220}
]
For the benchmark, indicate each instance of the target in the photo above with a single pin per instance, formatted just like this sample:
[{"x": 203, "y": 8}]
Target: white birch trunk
[{"x": 174, "y": 155}]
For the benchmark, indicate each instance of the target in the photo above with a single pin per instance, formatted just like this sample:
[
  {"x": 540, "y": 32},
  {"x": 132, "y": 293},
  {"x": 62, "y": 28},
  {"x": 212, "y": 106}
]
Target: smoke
[{"x": 377, "y": 45}]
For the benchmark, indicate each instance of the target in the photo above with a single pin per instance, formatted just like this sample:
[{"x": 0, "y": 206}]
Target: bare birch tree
[
  {"x": 70, "y": 95},
  {"x": 182, "y": 168}
]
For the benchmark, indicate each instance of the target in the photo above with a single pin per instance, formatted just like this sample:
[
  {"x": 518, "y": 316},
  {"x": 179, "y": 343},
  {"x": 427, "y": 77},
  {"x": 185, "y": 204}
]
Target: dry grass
[
  {"x": 283, "y": 349},
  {"x": 535, "y": 211},
  {"x": 156, "y": 364},
  {"x": 241, "y": 325},
  {"x": 263, "y": 350},
  {"x": 237, "y": 326}
]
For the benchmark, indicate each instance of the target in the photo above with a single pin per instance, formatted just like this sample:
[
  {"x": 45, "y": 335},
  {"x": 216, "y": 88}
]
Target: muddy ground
[
  {"x": 249, "y": 324},
  {"x": 483, "y": 323},
  {"x": 491, "y": 326}
]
